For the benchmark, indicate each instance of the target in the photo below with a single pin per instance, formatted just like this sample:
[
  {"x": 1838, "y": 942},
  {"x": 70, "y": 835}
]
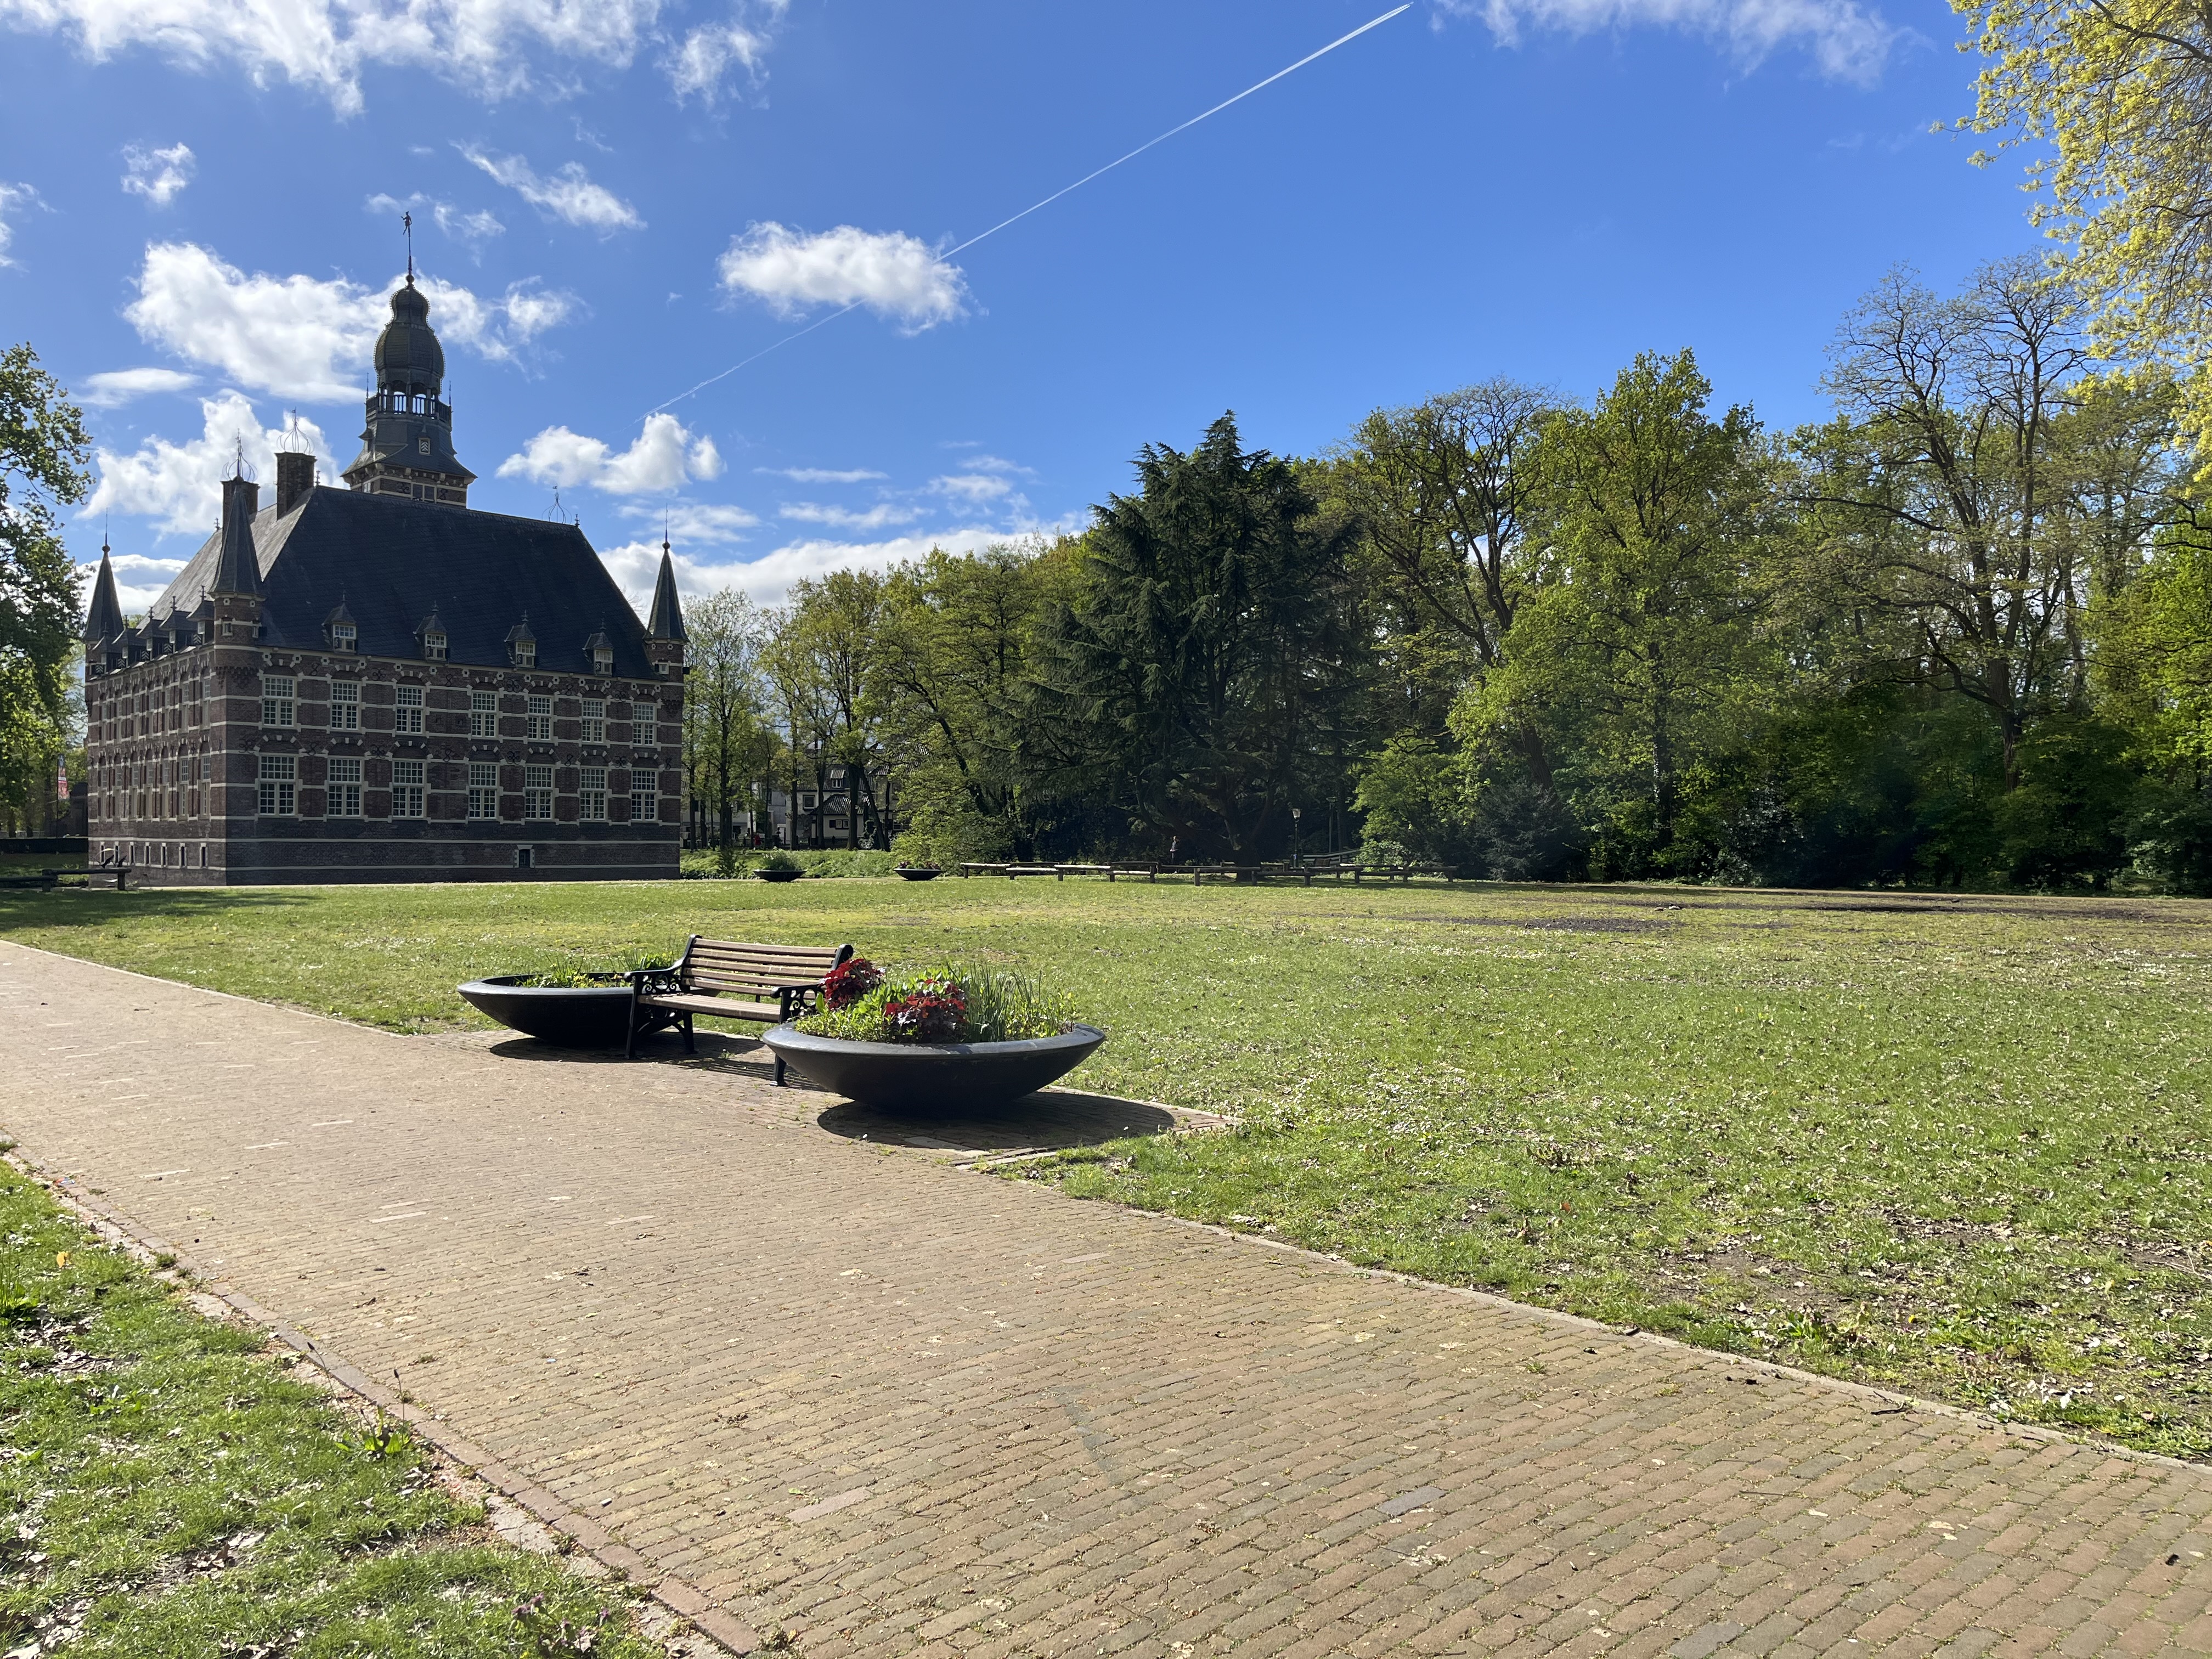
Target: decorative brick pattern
[{"x": 886, "y": 1405}]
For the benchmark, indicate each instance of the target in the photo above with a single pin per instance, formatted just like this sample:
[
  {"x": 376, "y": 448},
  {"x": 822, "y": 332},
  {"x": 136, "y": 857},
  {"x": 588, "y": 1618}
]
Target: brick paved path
[{"x": 891, "y": 1405}]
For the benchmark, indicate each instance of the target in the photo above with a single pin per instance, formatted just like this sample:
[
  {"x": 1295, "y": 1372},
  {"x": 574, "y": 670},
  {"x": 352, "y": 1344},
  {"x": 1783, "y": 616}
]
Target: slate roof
[{"x": 391, "y": 562}]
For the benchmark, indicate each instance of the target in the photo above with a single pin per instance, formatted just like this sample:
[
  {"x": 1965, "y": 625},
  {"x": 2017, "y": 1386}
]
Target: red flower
[
  {"x": 933, "y": 1012},
  {"x": 850, "y": 981}
]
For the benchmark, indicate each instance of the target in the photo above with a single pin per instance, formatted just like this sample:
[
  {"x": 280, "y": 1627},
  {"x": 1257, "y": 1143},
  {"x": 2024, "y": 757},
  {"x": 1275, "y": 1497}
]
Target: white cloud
[
  {"x": 568, "y": 195},
  {"x": 181, "y": 483},
  {"x": 119, "y": 386},
  {"x": 875, "y": 518},
  {"x": 467, "y": 227},
  {"x": 664, "y": 457},
  {"x": 821, "y": 474},
  {"x": 768, "y": 579},
  {"x": 696, "y": 521},
  {"x": 697, "y": 64},
  {"x": 490, "y": 47},
  {"x": 310, "y": 337},
  {"x": 976, "y": 487},
  {"x": 11, "y": 198},
  {"x": 893, "y": 275},
  {"x": 1848, "y": 42},
  {"x": 157, "y": 174}
]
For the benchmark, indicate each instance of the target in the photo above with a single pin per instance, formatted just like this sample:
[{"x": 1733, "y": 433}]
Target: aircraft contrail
[{"x": 1256, "y": 86}]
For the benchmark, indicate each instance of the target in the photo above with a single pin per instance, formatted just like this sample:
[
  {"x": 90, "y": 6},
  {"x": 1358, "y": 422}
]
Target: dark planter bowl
[
  {"x": 933, "y": 1077},
  {"x": 779, "y": 875},
  {"x": 922, "y": 873},
  {"x": 573, "y": 1016}
]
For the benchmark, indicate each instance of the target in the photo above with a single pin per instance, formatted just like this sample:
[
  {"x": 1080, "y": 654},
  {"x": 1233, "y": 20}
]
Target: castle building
[{"x": 380, "y": 683}]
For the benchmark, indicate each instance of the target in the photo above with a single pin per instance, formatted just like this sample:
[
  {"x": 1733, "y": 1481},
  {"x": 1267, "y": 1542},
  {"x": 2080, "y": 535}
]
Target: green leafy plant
[
  {"x": 777, "y": 859},
  {"x": 947, "y": 1003}
]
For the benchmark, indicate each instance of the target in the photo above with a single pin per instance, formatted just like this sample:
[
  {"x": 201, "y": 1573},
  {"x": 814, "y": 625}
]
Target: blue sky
[{"x": 616, "y": 198}]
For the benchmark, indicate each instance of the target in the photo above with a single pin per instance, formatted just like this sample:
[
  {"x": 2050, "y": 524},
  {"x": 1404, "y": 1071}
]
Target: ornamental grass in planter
[{"x": 948, "y": 1038}]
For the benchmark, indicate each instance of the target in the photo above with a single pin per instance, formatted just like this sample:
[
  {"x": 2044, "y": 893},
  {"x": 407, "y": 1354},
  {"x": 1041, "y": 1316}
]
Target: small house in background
[{"x": 380, "y": 683}]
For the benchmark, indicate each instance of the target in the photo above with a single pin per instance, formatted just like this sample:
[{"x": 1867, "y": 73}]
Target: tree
[
  {"x": 43, "y": 456},
  {"x": 949, "y": 668},
  {"x": 728, "y": 747},
  {"x": 2116, "y": 95},
  {"x": 817, "y": 661},
  {"x": 1638, "y": 653},
  {"x": 1442, "y": 492},
  {"x": 1211, "y": 670},
  {"x": 1975, "y": 485}
]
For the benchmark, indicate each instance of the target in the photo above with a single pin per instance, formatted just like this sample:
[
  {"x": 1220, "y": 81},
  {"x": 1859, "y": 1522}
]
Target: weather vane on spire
[{"x": 407, "y": 226}]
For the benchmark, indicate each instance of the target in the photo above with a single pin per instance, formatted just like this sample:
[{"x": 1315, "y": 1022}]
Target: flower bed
[{"x": 948, "y": 1038}]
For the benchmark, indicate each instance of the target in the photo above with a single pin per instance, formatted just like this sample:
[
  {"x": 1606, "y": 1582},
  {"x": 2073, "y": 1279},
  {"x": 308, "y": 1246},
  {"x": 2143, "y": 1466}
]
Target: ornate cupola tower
[{"x": 407, "y": 449}]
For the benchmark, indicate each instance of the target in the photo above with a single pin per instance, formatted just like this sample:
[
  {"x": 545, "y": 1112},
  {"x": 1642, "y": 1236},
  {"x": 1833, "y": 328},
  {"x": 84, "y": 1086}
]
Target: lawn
[
  {"x": 1955, "y": 1146},
  {"x": 171, "y": 1493}
]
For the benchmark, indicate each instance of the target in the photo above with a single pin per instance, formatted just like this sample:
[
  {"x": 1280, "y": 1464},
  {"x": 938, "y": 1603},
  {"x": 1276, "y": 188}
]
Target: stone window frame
[
  {"x": 537, "y": 790},
  {"x": 277, "y": 786},
  {"x": 407, "y": 709},
  {"x": 483, "y": 713},
  {"x": 279, "y": 703},
  {"x": 538, "y": 719},
  {"x": 484, "y": 790},
  {"x": 644, "y": 802},
  {"x": 592, "y": 794},
  {"x": 344, "y": 787},
  {"x": 595, "y": 720},
  {"x": 407, "y": 789},
  {"x": 345, "y": 705}
]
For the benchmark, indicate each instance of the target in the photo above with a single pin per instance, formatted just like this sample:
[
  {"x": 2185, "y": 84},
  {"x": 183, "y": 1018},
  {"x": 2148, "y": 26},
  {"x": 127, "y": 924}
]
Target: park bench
[{"x": 769, "y": 984}]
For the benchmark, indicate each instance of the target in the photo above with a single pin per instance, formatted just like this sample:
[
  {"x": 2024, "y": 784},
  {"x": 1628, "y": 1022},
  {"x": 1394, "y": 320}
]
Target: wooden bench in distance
[{"x": 768, "y": 983}]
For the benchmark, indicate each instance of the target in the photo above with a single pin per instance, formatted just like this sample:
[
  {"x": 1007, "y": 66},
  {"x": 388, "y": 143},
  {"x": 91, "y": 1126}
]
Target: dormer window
[
  {"x": 603, "y": 660},
  {"x": 434, "y": 645},
  {"x": 522, "y": 646},
  {"x": 343, "y": 637},
  {"x": 525, "y": 653}
]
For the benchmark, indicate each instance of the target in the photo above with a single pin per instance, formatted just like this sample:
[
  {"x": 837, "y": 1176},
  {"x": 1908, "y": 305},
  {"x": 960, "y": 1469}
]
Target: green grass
[
  {"x": 167, "y": 1491},
  {"x": 1958, "y": 1148}
]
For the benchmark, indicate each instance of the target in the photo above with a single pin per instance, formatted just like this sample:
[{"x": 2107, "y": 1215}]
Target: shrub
[{"x": 850, "y": 981}]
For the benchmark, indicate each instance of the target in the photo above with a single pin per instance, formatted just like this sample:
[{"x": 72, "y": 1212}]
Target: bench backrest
[{"x": 714, "y": 964}]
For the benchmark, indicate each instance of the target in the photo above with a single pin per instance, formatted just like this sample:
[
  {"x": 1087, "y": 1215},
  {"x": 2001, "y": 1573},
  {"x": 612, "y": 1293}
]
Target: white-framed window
[
  {"x": 279, "y": 781},
  {"x": 344, "y": 800},
  {"x": 593, "y": 794},
  {"x": 344, "y": 636},
  {"x": 525, "y": 653},
  {"x": 276, "y": 700},
  {"x": 602, "y": 660},
  {"x": 484, "y": 790},
  {"x": 434, "y": 644},
  {"x": 407, "y": 789},
  {"x": 483, "y": 713},
  {"x": 644, "y": 798},
  {"x": 595, "y": 720},
  {"x": 345, "y": 705},
  {"x": 407, "y": 716},
  {"x": 539, "y": 721},
  {"x": 537, "y": 792}
]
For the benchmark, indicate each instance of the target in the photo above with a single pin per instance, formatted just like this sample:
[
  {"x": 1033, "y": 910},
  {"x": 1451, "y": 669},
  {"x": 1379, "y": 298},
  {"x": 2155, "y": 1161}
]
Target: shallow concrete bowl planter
[
  {"x": 933, "y": 1077},
  {"x": 919, "y": 871},
  {"x": 779, "y": 875},
  {"x": 568, "y": 1016}
]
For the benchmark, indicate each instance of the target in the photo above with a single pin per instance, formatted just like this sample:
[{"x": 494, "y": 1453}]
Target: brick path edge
[{"x": 685, "y": 1601}]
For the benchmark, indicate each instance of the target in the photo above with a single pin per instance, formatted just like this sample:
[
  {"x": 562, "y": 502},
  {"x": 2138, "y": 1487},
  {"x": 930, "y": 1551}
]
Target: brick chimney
[{"x": 295, "y": 478}]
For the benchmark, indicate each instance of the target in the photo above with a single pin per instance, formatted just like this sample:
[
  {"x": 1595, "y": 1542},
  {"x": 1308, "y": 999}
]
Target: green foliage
[
  {"x": 150, "y": 1447},
  {"x": 997, "y": 1005},
  {"x": 44, "y": 454},
  {"x": 1210, "y": 675}
]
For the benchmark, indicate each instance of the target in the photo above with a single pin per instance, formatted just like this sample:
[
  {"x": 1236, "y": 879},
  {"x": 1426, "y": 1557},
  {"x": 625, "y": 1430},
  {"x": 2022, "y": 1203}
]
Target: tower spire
[{"x": 407, "y": 227}]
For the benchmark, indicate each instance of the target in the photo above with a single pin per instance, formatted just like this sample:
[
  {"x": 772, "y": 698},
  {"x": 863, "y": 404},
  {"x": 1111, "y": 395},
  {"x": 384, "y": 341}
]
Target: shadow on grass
[
  {"x": 79, "y": 906},
  {"x": 1048, "y": 1121}
]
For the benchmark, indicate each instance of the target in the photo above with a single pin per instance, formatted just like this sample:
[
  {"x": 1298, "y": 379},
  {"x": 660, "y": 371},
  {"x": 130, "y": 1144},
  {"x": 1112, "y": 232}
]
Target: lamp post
[{"x": 1296, "y": 855}]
